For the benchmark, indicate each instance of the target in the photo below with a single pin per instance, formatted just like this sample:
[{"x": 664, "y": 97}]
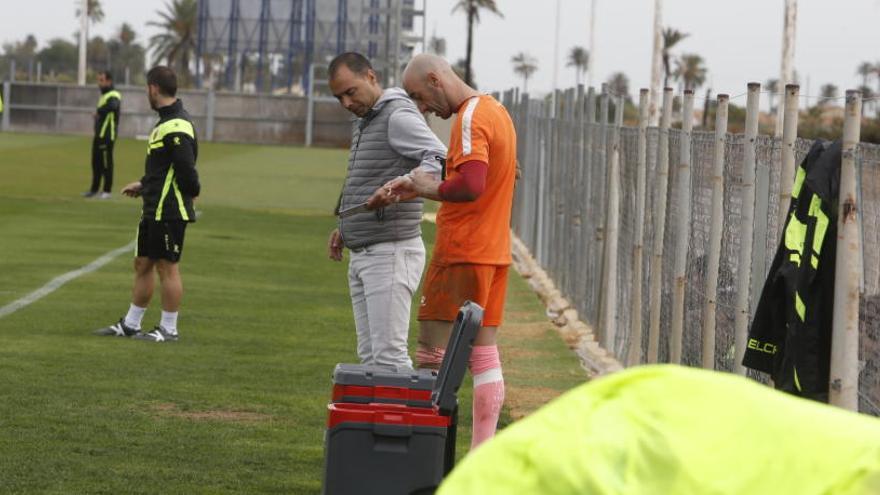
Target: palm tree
[
  {"x": 865, "y": 70},
  {"x": 578, "y": 58},
  {"x": 127, "y": 54},
  {"x": 867, "y": 94},
  {"x": 472, "y": 9},
  {"x": 618, "y": 84},
  {"x": 691, "y": 70},
  {"x": 94, "y": 11},
  {"x": 437, "y": 46},
  {"x": 876, "y": 72},
  {"x": 525, "y": 65},
  {"x": 772, "y": 87},
  {"x": 459, "y": 67},
  {"x": 828, "y": 92},
  {"x": 671, "y": 37},
  {"x": 177, "y": 43},
  {"x": 126, "y": 34}
]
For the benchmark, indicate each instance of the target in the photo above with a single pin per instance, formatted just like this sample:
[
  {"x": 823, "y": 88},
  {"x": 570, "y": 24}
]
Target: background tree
[
  {"x": 865, "y": 69},
  {"x": 472, "y": 9},
  {"x": 176, "y": 44},
  {"x": 98, "y": 54},
  {"x": 578, "y": 58},
  {"x": 618, "y": 84},
  {"x": 60, "y": 60},
  {"x": 867, "y": 93},
  {"x": 525, "y": 65},
  {"x": 691, "y": 69},
  {"x": 771, "y": 87},
  {"x": 828, "y": 92},
  {"x": 126, "y": 53},
  {"x": 437, "y": 46},
  {"x": 94, "y": 11},
  {"x": 22, "y": 52},
  {"x": 459, "y": 67},
  {"x": 671, "y": 37}
]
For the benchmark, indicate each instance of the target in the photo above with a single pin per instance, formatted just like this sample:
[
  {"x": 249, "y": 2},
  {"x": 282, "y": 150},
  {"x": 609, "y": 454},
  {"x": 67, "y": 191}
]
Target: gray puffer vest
[{"x": 371, "y": 163}]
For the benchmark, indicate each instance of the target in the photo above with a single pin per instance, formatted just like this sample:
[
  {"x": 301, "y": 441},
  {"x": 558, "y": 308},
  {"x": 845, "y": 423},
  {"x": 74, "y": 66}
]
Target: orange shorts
[{"x": 447, "y": 287}]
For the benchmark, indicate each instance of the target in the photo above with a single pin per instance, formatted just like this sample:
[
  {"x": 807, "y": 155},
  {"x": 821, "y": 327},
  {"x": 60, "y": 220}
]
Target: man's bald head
[
  {"x": 433, "y": 85},
  {"x": 426, "y": 63}
]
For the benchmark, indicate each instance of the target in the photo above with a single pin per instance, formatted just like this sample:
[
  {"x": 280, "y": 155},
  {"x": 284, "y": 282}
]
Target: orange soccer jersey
[{"x": 479, "y": 231}]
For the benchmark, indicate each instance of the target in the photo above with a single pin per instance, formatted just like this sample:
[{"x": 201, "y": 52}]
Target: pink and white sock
[{"x": 488, "y": 392}]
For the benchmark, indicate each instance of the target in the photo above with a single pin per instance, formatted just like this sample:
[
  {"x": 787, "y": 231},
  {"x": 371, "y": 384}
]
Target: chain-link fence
[{"x": 565, "y": 149}]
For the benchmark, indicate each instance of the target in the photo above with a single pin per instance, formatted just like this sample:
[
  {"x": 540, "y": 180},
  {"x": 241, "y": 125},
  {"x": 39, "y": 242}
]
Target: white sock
[
  {"x": 169, "y": 321},
  {"x": 134, "y": 316}
]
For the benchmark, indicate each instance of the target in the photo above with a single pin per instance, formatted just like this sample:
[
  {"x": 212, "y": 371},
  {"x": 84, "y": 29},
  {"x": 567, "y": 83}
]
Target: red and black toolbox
[{"x": 393, "y": 431}]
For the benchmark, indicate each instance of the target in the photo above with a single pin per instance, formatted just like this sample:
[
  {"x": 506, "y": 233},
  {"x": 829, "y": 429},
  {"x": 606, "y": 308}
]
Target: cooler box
[
  {"x": 363, "y": 384},
  {"x": 393, "y": 431},
  {"x": 385, "y": 449}
]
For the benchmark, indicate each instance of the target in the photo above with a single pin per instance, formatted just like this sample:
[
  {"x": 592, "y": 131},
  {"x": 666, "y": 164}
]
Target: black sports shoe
[
  {"x": 118, "y": 329},
  {"x": 157, "y": 334}
]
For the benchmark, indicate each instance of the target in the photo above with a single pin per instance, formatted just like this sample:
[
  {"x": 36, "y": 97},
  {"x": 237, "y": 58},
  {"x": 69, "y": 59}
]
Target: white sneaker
[{"x": 104, "y": 195}]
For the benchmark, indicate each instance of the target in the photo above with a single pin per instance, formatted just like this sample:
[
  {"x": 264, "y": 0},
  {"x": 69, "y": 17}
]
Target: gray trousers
[{"x": 382, "y": 279}]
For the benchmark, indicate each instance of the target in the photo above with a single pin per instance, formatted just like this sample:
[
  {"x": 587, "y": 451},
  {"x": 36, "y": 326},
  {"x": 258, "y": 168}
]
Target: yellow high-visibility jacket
[{"x": 673, "y": 430}]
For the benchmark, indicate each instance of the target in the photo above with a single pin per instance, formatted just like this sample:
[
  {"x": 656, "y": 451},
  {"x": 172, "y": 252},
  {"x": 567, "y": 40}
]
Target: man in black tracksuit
[
  {"x": 168, "y": 187},
  {"x": 106, "y": 126}
]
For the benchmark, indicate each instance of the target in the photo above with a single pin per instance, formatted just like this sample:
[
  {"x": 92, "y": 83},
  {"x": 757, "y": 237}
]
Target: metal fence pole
[
  {"x": 7, "y": 102},
  {"x": 544, "y": 111},
  {"x": 609, "y": 331},
  {"x": 844, "y": 386},
  {"x": 310, "y": 106},
  {"x": 577, "y": 252},
  {"x": 557, "y": 189},
  {"x": 635, "y": 348},
  {"x": 789, "y": 136},
  {"x": 602, "y": 169},
  {"x": 717, "y": 224},
  {"x": 210, "y": 107},
  {"x": 659, "y": 213},
  {"x": 682, "y": 229},
  {"x": 741, "y": 319}
]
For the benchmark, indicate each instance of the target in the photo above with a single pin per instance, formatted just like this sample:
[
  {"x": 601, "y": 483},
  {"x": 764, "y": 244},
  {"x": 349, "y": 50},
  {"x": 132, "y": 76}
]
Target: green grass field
[{"x": 238, "y": 404}]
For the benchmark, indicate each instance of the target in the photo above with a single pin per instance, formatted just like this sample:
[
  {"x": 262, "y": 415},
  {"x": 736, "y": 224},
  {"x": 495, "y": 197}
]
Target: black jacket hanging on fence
[{"x": 790, "y": 337}]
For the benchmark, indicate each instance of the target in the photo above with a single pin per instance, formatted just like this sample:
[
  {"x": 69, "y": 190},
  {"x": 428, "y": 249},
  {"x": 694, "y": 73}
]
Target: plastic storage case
[
  {"x": 393, "y": 445},
  {"x": 363, "y": 384}
]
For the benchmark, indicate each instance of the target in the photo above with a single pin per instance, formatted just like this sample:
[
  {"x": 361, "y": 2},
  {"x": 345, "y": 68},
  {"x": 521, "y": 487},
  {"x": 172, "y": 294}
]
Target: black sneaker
[
  {"x": 158, "y": 334},
  {"x": 118, "y": 329}
]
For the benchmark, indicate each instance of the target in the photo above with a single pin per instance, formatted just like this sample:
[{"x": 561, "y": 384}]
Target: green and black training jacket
[
  {"x": 170, "y": 180},
  {"x": 107, "y": 121}
]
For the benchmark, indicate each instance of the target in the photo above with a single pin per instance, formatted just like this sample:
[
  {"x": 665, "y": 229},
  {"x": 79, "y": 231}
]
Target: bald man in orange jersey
[{"x": 472, "y": 250}]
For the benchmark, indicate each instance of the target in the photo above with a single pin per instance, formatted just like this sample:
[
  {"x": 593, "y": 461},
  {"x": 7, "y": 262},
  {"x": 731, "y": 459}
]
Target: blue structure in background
[{"x": 275, "y": 42}]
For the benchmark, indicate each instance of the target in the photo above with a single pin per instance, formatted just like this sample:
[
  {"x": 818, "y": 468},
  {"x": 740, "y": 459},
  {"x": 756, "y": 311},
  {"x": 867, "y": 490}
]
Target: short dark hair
[
  {"x": 355, "y": 62},
  {"x": 164, "y": 78},
  {"x": 106, "y": 73}
]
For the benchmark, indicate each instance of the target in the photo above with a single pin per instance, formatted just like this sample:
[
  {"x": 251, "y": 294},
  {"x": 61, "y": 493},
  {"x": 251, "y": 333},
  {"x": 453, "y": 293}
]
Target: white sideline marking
[{"x": 60, "y": 280}]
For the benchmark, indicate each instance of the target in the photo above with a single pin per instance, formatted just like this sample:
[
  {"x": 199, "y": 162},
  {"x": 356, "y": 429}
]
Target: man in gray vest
[{"x": 390, "y": 138}]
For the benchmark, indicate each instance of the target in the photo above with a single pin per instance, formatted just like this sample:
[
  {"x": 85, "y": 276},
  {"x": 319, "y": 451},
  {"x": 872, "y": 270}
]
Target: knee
[
  {"x": 143, "y": 266},
  {"x": 166, "y": 269},
  {"x": 429, "y": 357}
]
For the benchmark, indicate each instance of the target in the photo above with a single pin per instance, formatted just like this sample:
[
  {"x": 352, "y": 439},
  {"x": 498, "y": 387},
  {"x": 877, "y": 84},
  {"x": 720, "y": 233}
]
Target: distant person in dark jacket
[
  {"x": 106, "y": 126},
  {"x": 168, "y": 187}
]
